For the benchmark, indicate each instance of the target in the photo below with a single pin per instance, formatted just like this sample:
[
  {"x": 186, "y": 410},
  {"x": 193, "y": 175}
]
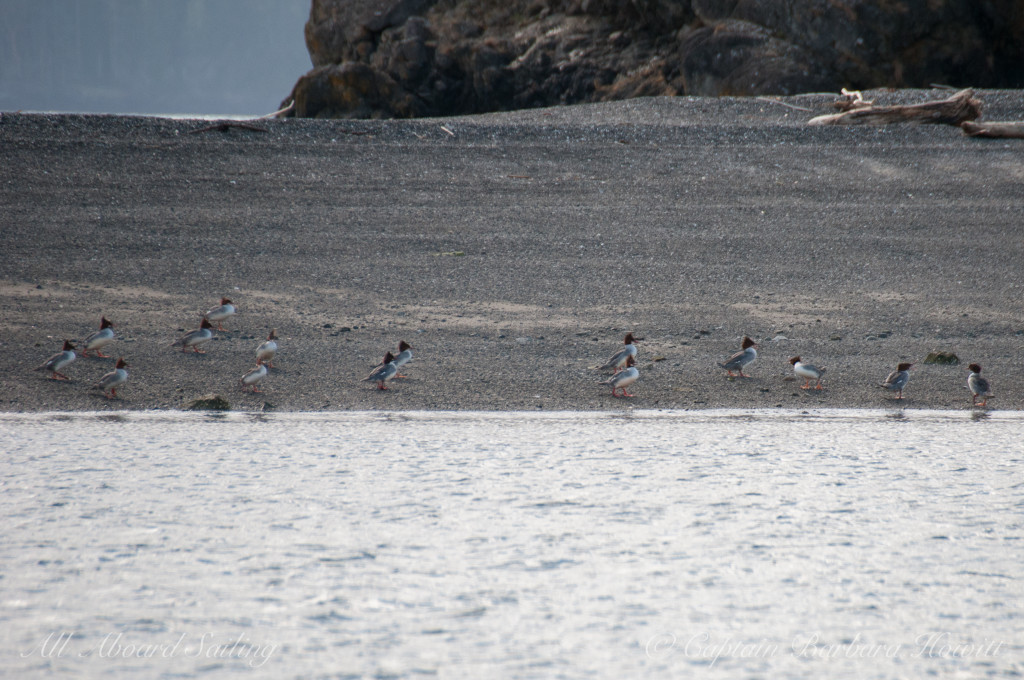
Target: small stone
[
  {"x": 835, "y": 337},
  {"x": 210, "y": 402},
  {"x": 947, "y": 358}
]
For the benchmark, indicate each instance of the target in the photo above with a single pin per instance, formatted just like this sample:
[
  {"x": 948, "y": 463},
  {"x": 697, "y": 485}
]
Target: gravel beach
[{"x": 513, "y": 251}]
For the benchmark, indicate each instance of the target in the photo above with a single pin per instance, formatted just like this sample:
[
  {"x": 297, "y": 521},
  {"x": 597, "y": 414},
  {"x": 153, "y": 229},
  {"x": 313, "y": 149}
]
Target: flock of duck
[
  {"x": 622, "y": 363},
  {"x": 193, "y": 340},
  {"x": 625, "y": 372}
]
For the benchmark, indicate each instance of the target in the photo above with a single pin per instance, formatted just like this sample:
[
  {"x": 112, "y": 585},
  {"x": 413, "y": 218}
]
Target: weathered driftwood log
[
  {"x": 953, "y": 111},
  {"x": 1012, "y": 129}
]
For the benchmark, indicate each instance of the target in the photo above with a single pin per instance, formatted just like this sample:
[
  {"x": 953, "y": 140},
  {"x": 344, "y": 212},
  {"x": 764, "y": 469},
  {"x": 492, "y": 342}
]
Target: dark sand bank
[{"x": 513, "y": 251}]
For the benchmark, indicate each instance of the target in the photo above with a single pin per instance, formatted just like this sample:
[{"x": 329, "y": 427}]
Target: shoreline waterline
[{"x": 682, "y": 415}]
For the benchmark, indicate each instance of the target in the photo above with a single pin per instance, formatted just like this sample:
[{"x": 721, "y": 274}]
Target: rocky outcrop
[{"x": 410, "y": 58}]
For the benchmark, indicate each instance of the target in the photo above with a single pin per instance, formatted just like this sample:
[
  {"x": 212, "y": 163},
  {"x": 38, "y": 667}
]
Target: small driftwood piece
[
  {"x": 851, "y": 100},
  {"x": 961, "y": 107},
  {"x": 225, "y": 126},
  {"x": 279, "y": 112},
  {"x": 1012, "y": 130}
]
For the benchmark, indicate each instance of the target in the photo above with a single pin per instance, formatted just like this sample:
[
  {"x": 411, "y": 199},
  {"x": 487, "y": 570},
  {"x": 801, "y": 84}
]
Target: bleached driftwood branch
[
  {"x": 1006, "y": 130},
  {"x": 953, "y": 111}
]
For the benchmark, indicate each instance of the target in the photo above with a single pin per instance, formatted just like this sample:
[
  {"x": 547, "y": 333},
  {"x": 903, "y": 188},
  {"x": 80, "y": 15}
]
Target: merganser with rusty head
[
  {"x": 100, "y": 339},
  {"x": 266, "y": 351},
  {"x": 404, "y": 356},
  {"x": 623, "y": 379},
  {"x": 619, "y": 359},
  {"x": 253, "y": 377},
  {"x": 736, "y": 362},
  {"x": 111, "y": 381},
  {"x": 59, "y": 361},
  {"x": 979, "y": 386},
  {"x": 194, "y": 339},
  {"x": 898, "y": 379},
  {"x": 218, "y": 314},
  {"x": 808, "y": 372},
  {"x": 384, "y": 372}
]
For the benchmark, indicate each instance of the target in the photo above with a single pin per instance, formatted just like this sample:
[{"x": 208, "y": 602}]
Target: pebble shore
[{"x": 513, "y": 251}]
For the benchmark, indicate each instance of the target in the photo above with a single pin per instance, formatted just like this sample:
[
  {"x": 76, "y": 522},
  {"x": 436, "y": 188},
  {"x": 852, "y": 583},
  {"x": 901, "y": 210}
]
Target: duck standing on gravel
[
  {"x": 979, "y": 386},
  {"x": 623, "y": 379},
  {"x": 59, "y": 361},
  {"x": 218, "y": 314},
  {"x": 619, "y": 359},
  {"x": 100, "y": 339},
  {"x": 808, "y": 372},
  {"x": 404, "y": 356},
  {"x": 253, "y": 377},
  {"x": 111, "y": 381},
  {"x": 384, "y": 372},
  {"x": 266, "y": 351},
  {"x": 898, "y": 379},
  {"x": 736, "y": 362},
  {"x": 194, "y": 339}
]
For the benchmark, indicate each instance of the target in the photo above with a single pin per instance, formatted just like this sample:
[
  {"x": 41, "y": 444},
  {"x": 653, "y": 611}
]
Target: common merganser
[
  {"x": 979, "y": 386},
  {"x": 622, "y": 379},
  {"x": 59, "y": 361},
  {"x": 100, "y": 339},
  {"x": 384, "y": 372},
  {"x": 111, "y": 381},
  {"x": 898, "y": 379},
  {"x": 737, "y": 361},
  {"x": 404, "y": 356},
  {"x": 808, "y": 372},
  {"x": 218, "y": 314},
  {"x": 193, "y": 339},
  {"x": 619, "y": 359},
  {"x": 253, "y": 377},
  {"x": 266, "y": 351}
]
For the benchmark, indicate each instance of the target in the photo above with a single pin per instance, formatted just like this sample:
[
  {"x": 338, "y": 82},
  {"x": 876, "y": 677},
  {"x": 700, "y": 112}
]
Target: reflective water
[{"x": 829, "y": 544}]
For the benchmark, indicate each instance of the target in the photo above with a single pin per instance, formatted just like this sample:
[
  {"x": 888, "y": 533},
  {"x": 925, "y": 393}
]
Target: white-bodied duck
[
  {"x": 253, "y": 377},
  {"x": 195, "y": 338},
  {"x": 898, "y": 379},
  {"x": 218, "y": 314},
  {"x": 619, "y": 359},
  {"x": 59, "y": 361},
  {"x": 808, "y": 372},
  {"x": 100, "y": 339},
  {"x": 384, "y": 372},
  {"x": 404, "y": 356},
  {"x": 111, "y": 381},
  {"x": 736, "y": 362},
  {"x": 979, "y": 386},
  {"x": 266, "y": 351},
  {"x": 623, "y": 379}
]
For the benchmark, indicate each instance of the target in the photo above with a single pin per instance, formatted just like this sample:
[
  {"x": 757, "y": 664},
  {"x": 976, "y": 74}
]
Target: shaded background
[{"x": 213, "y": 57}]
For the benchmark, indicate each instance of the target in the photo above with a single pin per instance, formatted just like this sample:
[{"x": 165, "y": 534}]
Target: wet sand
[{"x": 513, "y": 251}]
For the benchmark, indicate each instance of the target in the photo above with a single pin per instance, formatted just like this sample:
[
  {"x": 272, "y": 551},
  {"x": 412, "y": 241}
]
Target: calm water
[{"x": 831, "y": 544}]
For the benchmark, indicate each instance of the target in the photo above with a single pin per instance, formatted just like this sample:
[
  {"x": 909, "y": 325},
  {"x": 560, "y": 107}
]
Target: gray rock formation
[{"x": 410, "y": 58}]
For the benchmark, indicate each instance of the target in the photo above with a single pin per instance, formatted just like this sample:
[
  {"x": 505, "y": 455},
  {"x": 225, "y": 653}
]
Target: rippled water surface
[{"x": 832, "y": 544}]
